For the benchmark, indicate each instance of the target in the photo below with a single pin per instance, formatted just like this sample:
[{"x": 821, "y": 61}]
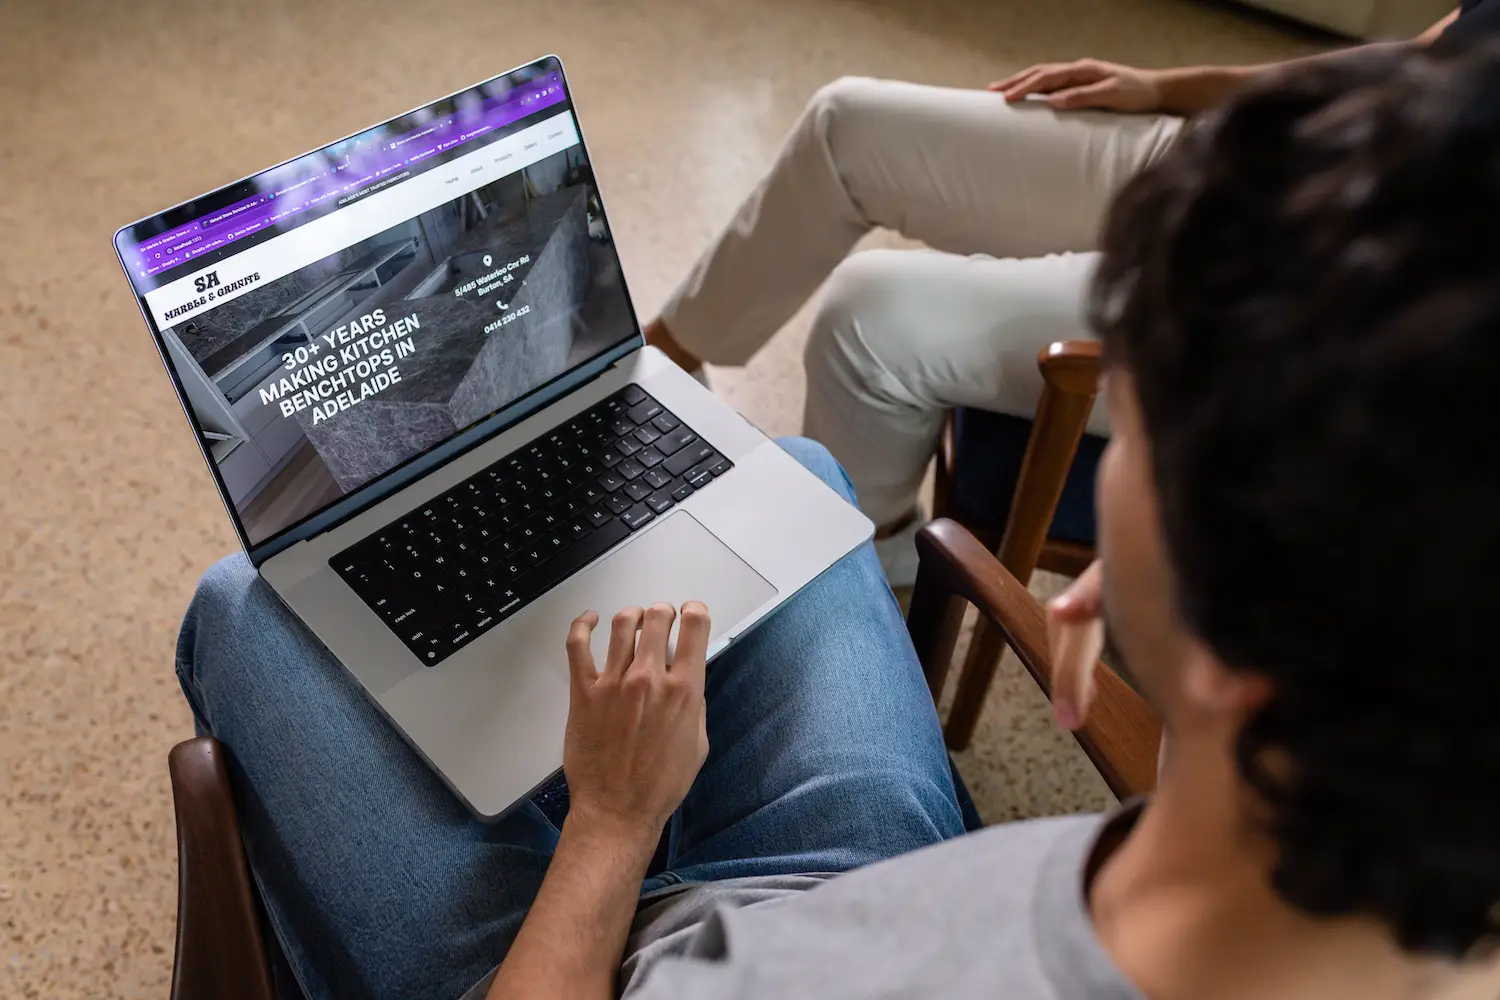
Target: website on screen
[{"x": 412, "y": 304}]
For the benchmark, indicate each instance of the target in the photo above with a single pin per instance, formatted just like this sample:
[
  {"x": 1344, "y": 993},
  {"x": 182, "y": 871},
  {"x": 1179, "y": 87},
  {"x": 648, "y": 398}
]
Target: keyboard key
[
  {"x": 609, "y": 458},
  {"x": 649, "y": 457},
  {"x": 627, "y": 446},
  {"x": 702, "y": 479},
  {"x": 632, "y": 394},
  {"x": 621, "y": 426},
  {"x": 618, "y": 503},
  {"x": 597, "y": 517},
  {"x": 682, "y": 492},
  {"x": 647, "y": 434},
  {"x": 609, "y": 482},
  {"x": 665, "y": 422},
  {"x": 701, "y": 469},
  {"x": 579, "y": 528},
  {"x": 637, "y": 516},
  {"x": 591, "y": 494},
  {"x": 720, "y": 467},
  {"x": 698, "y": 451},
  {"x": 656, "y": 479},
  {"x": 672, "y": 441},
  {"x": 637, "y": 490},
  {"x": 643, "y": 411},
  {"x": 630, "y": 469},
  {"x": 659, "y": 501}
]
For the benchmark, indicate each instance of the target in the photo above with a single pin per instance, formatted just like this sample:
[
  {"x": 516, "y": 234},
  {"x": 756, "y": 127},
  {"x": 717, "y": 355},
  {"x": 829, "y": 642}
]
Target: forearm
[
  {"x": 1191, "y": 90},
  {"x": 574, "y": 935}
]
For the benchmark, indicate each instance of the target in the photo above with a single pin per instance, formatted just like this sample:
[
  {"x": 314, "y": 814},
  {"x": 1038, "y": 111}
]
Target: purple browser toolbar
[{"x": 362, "y": 165}]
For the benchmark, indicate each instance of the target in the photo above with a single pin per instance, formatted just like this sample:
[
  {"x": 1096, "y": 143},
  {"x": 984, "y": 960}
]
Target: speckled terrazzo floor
[{"x": 108, "y": 111}]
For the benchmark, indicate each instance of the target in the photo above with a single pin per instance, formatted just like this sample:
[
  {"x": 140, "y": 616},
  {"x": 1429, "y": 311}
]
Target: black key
[
  {"x": 637, "y": 516},
  {"x": 597, "y": 517},
  {"x": 609, "y": 482},
  {"x": 656, "y": 479},
  {"x": 486, "y": 534},
  {"x": 698, "y": 451},
  {"x": 410, "y": 618},
  {"x": 580, "y": 528},
  {"x": 672, "y": 441},
  {"x": 637, "y": 490},
  {"x": 577, "y": 555},
  {"x": 590, "y": 494},
  {"x": 701, "y": 480},
  {"x": 617, "y": 503},
  {"x": 621, "y": 426},
  {"x": 610, "y": 458},
  {"x": 720, "y": 467},
  {"x": 535, "y": 554},
  {"x": 611, "y": 406},
  {"x": 632, "y": 394},
  {"x": 630, "y": 469},
  {"x": 647, "y": 434},
  {"x": 643, "y": 411},
  {"x": 483, "y": 619},
  {"x": 682, "y": 492},
  {"x": 649, "y": 457},
  {"x": 659, "y": 501},
  {"x": 701, "y": 469},
  {"x": 459, "y": 632},
  {"x": 627, "y": 446},
  {"x": 665, "y": 422}
]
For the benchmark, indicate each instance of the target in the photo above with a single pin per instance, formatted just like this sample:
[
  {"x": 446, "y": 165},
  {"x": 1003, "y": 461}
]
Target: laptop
[{"x": 413, "y": 367}]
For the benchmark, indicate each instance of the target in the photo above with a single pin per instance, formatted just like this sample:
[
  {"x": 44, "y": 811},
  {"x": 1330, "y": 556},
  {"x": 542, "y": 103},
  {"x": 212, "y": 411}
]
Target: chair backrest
[{"x": 1070, "y": 380}]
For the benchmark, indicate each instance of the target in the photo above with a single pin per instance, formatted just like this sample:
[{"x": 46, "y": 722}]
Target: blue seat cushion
[{"x": 988, "y": 451}]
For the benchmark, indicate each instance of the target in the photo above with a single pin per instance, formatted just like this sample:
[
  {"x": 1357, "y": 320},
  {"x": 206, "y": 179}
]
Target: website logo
[{"x": 204, "y": 282}]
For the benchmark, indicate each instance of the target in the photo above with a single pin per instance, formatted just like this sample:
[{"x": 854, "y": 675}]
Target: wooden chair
[
  {"x": 222, "y": 954},
  {"x": 1070, "y": 378}
]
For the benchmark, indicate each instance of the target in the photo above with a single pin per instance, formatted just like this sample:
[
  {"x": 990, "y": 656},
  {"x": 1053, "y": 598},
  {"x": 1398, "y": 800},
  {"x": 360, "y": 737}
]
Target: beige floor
[{"x": 110, "y": 110}]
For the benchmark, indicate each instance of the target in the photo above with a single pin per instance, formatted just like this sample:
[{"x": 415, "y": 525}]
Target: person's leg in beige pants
[{"x": 1006, "y": 195}]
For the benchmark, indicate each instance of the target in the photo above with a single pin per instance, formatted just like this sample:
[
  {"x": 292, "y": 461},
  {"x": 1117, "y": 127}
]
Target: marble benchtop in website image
[{"x": 458, "y": 373}]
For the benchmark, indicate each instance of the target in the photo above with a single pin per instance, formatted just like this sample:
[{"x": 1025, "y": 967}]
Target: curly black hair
[{"x": 1306, "y": 294}]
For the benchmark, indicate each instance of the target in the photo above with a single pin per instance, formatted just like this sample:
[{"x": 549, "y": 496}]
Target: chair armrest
[
  {"x": 1121, "y": 735},
  {"x": 220, "y": 952}
]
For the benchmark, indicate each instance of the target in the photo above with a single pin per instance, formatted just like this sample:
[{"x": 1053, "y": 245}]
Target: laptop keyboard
[{"x": 467, "y": 560}]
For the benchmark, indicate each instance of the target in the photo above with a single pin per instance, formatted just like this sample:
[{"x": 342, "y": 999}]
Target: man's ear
[{"x": 1212, "y": 687}]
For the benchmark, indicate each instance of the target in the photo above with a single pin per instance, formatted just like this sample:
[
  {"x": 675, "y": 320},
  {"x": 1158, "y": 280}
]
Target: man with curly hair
[{"x": 1300, "y": 310}]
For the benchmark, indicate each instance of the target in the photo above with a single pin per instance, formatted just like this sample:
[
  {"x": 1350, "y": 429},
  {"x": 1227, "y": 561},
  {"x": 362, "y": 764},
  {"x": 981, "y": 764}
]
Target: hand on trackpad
[{"x": 677, "y": 561}]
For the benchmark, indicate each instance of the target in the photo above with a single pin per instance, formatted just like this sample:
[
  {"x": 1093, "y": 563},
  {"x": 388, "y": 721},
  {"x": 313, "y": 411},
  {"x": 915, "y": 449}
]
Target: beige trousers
[{"x": 1009, "y": 198}]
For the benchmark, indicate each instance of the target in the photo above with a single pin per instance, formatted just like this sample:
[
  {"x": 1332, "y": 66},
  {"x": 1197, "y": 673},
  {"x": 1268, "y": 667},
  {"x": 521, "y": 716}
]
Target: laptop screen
[{"x": 337, "y": 317}]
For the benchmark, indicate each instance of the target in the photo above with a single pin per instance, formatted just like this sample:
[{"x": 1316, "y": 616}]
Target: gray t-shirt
[{"x": 998, "y": 913}]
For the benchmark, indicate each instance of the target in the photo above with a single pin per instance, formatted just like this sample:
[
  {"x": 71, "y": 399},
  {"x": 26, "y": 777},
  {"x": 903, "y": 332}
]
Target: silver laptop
[{"x": 412, "y": 364}]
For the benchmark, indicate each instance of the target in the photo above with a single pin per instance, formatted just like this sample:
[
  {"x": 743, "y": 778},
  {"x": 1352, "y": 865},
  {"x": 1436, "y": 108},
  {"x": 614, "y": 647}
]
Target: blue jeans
[{"x": 825, "y": 755}]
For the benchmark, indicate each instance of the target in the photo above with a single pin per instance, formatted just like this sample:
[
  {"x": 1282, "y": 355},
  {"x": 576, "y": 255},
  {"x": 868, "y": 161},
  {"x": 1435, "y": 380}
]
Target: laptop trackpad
[{"x": 677, "y": 561}]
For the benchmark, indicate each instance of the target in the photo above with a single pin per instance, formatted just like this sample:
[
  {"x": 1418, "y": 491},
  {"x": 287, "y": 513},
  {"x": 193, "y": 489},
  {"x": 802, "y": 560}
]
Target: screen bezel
[{"x": 392, "y": 480}]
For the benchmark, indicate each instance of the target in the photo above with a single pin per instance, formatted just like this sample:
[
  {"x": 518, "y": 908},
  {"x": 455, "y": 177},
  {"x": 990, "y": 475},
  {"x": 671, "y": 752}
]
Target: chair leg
[{"x": 974, "y": 682}]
